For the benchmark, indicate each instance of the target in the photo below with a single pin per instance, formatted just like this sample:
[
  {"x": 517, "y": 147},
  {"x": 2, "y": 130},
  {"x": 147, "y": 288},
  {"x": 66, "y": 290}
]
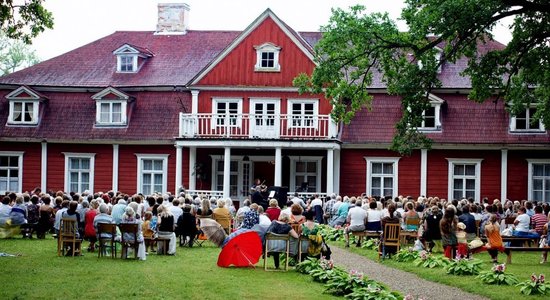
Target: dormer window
[
  {"x": 130, "y": 58},
  {"x": 432, "y": 115},
  {"x": 267, "y": 58},
  {"x": 111, "y": 107},
  {"x": 437, "y": 55},
  {"x": 24, "y": 105},
  {"x": 525, "y": 122}
]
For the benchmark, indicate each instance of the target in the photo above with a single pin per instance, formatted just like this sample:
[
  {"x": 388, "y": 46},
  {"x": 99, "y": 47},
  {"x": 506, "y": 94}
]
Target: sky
[{"x": 79, "y": 22}]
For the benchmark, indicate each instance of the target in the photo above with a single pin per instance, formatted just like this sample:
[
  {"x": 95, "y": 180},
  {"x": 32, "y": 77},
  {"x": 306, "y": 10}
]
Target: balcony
[{"x": 251, "y": 126}]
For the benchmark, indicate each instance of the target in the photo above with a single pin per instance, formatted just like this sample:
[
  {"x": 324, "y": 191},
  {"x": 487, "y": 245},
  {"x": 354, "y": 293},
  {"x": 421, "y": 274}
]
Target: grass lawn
[
  {"x": 523, "y": 265},
  {"x": 190, "y": 274}
]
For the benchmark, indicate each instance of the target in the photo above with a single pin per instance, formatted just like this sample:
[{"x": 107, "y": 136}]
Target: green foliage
[
  {"x": 332, "y": 234},
  {"x": 462, "y": 266},
  {"x": 498, "y": 276},
  {"x": 308, "y": 265},
  {"x": 343, "y": 283},
  {"x": 15, "y": 55},
  {"x": 406, "y": 254},
  {"x": 371, "y": 244},
  {"x": 356, "y": 45},
  {"x": 24, "y": 20},
  {"x": 373, "y": 293},
  {"x": 534, "y": 286},
  {"x": 431, "y": 261}
]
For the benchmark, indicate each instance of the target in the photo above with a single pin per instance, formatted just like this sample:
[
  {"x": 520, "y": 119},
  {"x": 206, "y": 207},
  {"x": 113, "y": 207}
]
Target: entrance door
[
  {"x": 264, "y": 118},
  {"x": 265, "y": 170}
]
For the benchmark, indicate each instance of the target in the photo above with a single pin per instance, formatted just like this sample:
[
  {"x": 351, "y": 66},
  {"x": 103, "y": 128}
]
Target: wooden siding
[
  {"x": 518, "y": 168},
  {"x": 237, "y": 68},
  {"x": 31, "y": 162}
]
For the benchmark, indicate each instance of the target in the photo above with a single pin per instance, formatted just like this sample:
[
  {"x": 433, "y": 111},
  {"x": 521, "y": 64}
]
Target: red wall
[
  {"x": 31, "y": 162},
  {"x": 237, "y": 68}
]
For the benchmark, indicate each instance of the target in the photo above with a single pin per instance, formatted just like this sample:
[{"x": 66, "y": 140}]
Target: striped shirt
[{"x": 538, "y": 221}]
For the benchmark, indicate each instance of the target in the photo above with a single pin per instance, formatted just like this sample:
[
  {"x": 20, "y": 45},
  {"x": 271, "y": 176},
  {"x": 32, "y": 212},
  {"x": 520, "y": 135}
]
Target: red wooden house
[{"x": 212, "y": 110}]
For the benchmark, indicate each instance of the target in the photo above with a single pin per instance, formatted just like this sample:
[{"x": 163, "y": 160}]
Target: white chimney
[{"x": 173, "y": 18}]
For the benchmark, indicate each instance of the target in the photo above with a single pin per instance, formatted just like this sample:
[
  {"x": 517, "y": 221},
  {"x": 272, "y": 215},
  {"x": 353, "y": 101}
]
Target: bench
[
  {"x": 526, "y": 240},
  {"x": 509, "y": 250}
]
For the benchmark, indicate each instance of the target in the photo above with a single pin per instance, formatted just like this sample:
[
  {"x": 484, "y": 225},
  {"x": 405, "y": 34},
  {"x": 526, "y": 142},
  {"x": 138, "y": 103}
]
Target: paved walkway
[{"x": 404, "y": 282}]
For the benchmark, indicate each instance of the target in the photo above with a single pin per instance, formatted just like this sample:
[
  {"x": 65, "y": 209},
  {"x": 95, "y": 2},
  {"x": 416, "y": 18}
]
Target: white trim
[
  {"x": 330, "y": 171},
  {"x": 110, "y": 122},
  {"x": 110, "y": 90},
  {"x": 70, "y": 155},
  {"x": 291, "y": 102},
  {"x": 267, "y": 13},
  {"x": 263, "y": 130},
  {"x": 195, "y": 101},
  {"x": 503, "y": 174},
  {"x": 115, "y": 166},
  {"x": 530, "y": 162},
  {"x": 227, "y": 172},
  {"x": 179, "y": 171},
  {"x": 192, "y": 161},
  {"x": 319, "y": 174},
  {"x": 44, "y": 166},
  {"x": 252, "y": 144},
  {"x": 267, "y": 48},
  {"x": 19, "y": 155},
  {"x": 36, "y": 107},
  {"x": 436, "y": 103},
  {"x": 450, "y": 174},
  {"x": 278, "y": 180},
  {"x": 528, "y": 119},
  {"x": 395, "y": 160},
  {"x": 337, "y": 160},
  {"x": 164, "y": 158},
  {"x": 227, "y": 117},
  {"x": 424, "y": 172}
]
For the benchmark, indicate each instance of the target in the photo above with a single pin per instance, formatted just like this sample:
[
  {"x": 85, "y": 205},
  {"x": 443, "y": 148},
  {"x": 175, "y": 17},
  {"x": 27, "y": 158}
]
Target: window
[
  {"x": 267, "y": 58},
  {"x": 303, "y": 113},
  {"x": 127, "y": 63},
  {"x": 11, "y": 168},
  {"x": 130, "y": 58},
  {"x": 233, "y": 177},
  {"x": 464, "y": 178},
  {"x": 23, "y": 112},
  {"x": 525, "y": 121},
  {"x": 432, "y": 116},
  {"x": 539, "y": 180},
  {"x": 305, "y": 173},
  {"x": 437, "y": 55},
  {"x": 152, "y": 173},
  {"x": 227, "y": 112},
  {"x": 382, "y": 176},
  {"x": 79, "y": 172},
  {"x": 111, "y": 107}
]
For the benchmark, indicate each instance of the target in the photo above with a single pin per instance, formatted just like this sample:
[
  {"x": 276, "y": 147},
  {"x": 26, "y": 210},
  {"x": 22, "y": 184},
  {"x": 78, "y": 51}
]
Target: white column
[
  {"x": 503, "y": 175},
  {"x": 423, "y": 172},
  {"x": 226, "y": 172},
  {"x": 44, "y": 167},
  {"x": 336, "y": 171},
  {"x": 192, "y": 163},
  {"x": 115, "y": 167},
  {"x": 330, "y": 171},
  {"x": 179, "y": 164},
  {"x": 194, "y": 101},
  {"x": 278, "y": 167}
]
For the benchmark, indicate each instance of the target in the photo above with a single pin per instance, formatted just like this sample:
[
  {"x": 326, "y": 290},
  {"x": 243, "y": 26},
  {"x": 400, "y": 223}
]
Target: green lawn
[
  {"x": 190, "y": 274},
  {"x": 523, "y": 265}
]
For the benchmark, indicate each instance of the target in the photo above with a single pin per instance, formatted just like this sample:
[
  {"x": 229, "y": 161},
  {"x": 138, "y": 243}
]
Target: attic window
[
  {"x": 130, "y": 58},
  {"x": 525, "y": 122},
  {"x": 24, "y": 105},
  {"x": 432, "y": 115},
  {"x": 111, "y": 108},
  {"x": 267, "y": 58},
  {"x": 127, "y": 63},
  {"x": 437, "y": 55}
]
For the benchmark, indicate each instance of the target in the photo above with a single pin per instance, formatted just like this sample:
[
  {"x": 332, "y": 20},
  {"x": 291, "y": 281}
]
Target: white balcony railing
[{"x": 206, "y": 125}]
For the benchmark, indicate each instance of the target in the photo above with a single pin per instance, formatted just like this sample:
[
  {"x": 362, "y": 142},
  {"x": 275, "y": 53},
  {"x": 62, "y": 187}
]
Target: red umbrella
[{"x": 242, "y": 248}]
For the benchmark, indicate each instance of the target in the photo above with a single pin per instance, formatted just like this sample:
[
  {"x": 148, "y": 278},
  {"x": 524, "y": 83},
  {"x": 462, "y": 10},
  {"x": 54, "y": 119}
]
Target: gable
[
  {"x": 236, "y": 65},
  {"x": 111, "y": 93},
  {"x": 24, "y": 93}
]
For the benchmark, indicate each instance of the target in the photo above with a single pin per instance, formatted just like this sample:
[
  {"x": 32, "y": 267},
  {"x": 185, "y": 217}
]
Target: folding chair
[
  {"x": 68, "y": 235},
  {"x": 106, "y": 233},
  {"x": 276, "y": 237},
  {"x": 129, "y": 235},
  {"x": 390, "y": 237},
  {"x": 201, "y": 237}
]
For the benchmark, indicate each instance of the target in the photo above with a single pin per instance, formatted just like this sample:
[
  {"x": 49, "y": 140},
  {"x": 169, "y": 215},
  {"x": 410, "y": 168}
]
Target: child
[
  {"x": 462, "y": 248},
  {"x": 148, "y": 231}
]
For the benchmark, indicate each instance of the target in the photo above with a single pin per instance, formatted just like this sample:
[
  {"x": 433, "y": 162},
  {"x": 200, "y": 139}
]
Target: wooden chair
[
  {"x": 390, "y": 237},
  {"x": 106, "y": 242},
  {"x": 68, "y": 236},
  {"x": 478, "y": 230},
  {"x": 128, "y": 238},
  {"x": 277, "y": 237},
  {"x": 406, "y": 234},
  {"x": 224, "y": 221}
]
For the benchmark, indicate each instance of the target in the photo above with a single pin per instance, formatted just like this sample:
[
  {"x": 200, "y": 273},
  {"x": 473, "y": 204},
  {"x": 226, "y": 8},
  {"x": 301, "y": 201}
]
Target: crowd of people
[{"x": 443, "y": 226}]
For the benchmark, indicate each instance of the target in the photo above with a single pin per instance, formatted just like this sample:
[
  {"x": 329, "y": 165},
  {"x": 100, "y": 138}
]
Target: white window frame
[
  {"x": 36, "y": 106},
  {"x": 19, "y": 155},
  {"x": 477, "y": 176},
  {"x": 267, "y": 48},
  {"x": 372, "y": 160},
  {"x": 301, "y": 117},
  {"x": 528, "y": 118},
  {"x": 68, "y": 157},
  {"x": 437, "y": 56},
  {"x": 530, "y": 176},
  {"x": 123, "y": 107},
  {"x": 276, "y": 117},
  {"x": 121, "y": 63},
  {"x": 436, "y": 103},
  {"x": 141, "y": 158},
  {"x": 226, "y": 119},
  {"x": 315, "y": 159}
]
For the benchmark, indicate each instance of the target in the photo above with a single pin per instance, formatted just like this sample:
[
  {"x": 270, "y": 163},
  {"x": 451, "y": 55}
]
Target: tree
[
  {"x": 15, "y": 55},
  {"x": 24, "y": 19},
  {"x": 355, "y": 45}
]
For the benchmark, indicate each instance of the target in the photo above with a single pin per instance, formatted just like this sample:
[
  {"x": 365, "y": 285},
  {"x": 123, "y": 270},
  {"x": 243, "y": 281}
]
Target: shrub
[
  {"x": 405, "y": 255},
  {"x": 498, "y": 276},
  {"x": 428, "y": 260},
  {"x": 535, "y": 286},
  {"x": 463, "y": 266}
]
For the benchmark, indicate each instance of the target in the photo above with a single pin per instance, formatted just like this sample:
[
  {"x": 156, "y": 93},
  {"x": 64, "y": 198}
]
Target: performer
[{"x": 258, "y": 193}]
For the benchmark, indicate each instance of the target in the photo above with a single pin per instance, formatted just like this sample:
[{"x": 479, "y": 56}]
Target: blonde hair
[
  {"x": 284, "y": 218},
  {"x": 273, "y": 203},
  {"x": 221, "y": 203}
]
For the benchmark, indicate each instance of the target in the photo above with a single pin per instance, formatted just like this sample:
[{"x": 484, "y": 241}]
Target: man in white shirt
[
  {"x": 175, "y": 209},
  {"x": 356, "y": 220},
  {"x": 298, "y": 200}
]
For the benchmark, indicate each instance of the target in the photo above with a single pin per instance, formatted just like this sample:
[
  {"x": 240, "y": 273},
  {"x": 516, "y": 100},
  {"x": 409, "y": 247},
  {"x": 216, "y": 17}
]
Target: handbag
[
  {"x": 542, "y": 242},
  {"x": 325, "y": 250}
]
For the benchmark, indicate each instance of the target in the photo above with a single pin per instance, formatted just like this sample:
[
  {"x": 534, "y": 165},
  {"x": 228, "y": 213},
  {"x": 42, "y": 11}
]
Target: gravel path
[{"x": 404, "y": 282}]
